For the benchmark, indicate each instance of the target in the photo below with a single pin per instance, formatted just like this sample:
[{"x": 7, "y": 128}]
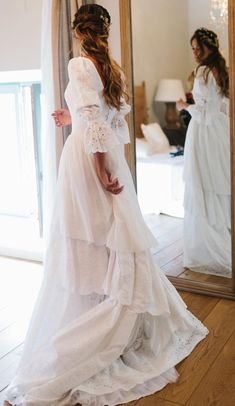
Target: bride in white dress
[
  {"x": 108, "y": 326},
  {"x": 207, "y": 202}
]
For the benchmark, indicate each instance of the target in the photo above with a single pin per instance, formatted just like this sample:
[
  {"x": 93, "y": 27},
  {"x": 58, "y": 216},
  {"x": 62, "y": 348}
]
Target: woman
[
  {"x": 207, "y": 222},
  {"x": 108, "y": 325}
]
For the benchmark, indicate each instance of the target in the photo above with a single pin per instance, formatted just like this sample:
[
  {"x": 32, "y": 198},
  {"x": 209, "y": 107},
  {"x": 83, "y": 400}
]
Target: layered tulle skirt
[
  {"x": 207, "y": 198},
  {"x": 108, "y": 326}
]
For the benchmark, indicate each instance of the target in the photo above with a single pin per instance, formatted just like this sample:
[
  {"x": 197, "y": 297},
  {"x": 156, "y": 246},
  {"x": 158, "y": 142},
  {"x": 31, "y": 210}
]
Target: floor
[
  {"x": 207, "y": 376},
  {"x": 19, "y": 284},
  {"x": 168, "y": 252}
]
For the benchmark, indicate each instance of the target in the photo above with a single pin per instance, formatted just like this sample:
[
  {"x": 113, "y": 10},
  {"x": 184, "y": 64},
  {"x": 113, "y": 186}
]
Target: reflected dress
[
  {"x": 207, "y": 199},
  {"x": 108, "y": 326}
]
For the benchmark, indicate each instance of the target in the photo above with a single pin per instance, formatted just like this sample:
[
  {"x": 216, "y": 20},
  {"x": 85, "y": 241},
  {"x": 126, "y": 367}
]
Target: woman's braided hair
[
  {"x": 215, "y": 59},
  {"x": 91, "y": 23}
]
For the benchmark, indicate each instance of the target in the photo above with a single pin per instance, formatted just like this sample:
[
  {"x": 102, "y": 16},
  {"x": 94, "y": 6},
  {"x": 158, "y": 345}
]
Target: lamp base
[{"x": 172, "y": 116}]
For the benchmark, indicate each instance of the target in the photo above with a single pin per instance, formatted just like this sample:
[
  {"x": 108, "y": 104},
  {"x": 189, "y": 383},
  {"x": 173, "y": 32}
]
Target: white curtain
[{"x": 54, "y": 55}]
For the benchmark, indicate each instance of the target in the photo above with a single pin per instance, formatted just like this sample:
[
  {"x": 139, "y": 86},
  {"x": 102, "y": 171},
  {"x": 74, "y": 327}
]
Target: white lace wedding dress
[
  {"x": 108, "y": 326},
  {"x": 207, "y": 201}
]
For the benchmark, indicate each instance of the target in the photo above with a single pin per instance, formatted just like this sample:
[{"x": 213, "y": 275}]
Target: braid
[{"x": 92, "y": 22}]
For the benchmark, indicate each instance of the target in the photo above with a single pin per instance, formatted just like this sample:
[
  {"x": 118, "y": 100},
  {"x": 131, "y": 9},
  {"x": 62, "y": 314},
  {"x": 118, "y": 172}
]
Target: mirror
[{"x": 182, "y": 159}]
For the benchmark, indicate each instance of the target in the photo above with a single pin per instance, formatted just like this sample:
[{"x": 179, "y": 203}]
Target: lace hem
[
  {"x": 137, "y": 367},
  {"x": 136, "y": 373},
  {"x": 212, "y": 270},
  {"x": 99, "y": 138}
]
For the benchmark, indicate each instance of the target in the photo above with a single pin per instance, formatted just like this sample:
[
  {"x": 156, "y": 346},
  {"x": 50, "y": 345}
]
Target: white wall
[
  {"x": 20, "y": 34},
  {"x": 159, "y": 44},
  {"x": 161, "y": 49}
]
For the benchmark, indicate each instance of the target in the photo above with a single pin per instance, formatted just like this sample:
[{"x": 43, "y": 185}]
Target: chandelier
[{"x": 219, "y": 13}]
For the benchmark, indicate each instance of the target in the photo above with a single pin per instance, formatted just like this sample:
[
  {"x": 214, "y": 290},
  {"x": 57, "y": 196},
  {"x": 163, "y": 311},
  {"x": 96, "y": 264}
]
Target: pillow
[{"x": 156, "y": 138}]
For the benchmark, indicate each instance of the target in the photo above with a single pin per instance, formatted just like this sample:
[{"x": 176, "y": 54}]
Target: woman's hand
[
  {"x": 111, "y": 185},
  {"x": 105, "y": 178},
  {"x": 181, "y": 105},
  {"x": 61, "y": 117}
]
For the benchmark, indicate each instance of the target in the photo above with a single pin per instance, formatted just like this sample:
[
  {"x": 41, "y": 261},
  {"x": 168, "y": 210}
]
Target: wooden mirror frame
[{"x": 206, "y": 288}]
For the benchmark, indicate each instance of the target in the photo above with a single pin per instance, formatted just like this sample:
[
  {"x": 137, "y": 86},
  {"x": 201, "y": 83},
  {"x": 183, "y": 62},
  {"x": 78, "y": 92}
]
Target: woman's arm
[
  {"x": 62, "y": 117},
  {"x": 111, "y": 185}
]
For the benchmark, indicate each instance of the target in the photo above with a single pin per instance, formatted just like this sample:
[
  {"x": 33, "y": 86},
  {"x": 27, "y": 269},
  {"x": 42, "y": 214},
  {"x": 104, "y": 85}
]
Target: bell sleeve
[
  {"x": 100, "y": 135},
  {"x": 204, "y": 111}
]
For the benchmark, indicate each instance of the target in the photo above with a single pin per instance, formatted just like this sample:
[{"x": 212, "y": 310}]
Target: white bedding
[{"x": 160, "y": 185}]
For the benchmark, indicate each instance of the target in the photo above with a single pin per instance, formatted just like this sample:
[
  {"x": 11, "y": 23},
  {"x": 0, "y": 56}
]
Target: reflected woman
[{"x": 207, "y": 221}]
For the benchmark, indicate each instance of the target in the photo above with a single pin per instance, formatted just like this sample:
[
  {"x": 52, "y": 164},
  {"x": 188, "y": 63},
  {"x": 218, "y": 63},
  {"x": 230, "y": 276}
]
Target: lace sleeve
[
  {"x": 205, "y": 112},
  {"x": 99, "y": 136}
]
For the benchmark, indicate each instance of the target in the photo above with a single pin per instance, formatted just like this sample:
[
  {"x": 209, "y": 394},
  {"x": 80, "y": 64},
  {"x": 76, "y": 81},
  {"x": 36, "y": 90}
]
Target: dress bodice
[
  {"x": 208, "y": 98},
  {"x": 102, "y": 126},
  {"x": 203, "y": 91}
]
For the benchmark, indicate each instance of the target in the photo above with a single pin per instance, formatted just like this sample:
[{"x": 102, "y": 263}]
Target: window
[{"x": 20, "y": 157}]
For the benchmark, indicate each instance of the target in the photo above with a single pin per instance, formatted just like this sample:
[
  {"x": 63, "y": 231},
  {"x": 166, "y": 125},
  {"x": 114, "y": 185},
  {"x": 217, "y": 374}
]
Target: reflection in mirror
[
  {"x": 182, "y": 134},
  {"x": 207, "y": 221}
]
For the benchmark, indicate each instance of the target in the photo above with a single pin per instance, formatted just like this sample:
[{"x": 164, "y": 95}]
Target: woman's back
[{"x": 207, "y": 96}]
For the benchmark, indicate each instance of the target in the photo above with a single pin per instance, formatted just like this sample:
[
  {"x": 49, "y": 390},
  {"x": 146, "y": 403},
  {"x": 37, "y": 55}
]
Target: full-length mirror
[{"x": 182, "y": 137}]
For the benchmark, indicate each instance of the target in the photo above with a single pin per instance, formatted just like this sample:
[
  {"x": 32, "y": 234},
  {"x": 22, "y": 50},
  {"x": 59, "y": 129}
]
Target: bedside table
[{"x": 176, "y": 136}]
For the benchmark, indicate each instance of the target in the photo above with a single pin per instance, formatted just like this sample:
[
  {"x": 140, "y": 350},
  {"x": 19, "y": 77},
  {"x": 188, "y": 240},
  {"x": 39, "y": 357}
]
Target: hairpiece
[
  {"x": 209, "y": 36},
  {"x": 104, "y": 19}
]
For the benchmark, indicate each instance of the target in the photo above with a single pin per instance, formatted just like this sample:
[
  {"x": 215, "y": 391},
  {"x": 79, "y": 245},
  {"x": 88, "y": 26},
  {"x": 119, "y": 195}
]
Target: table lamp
[{"x": 169, "y": 91}]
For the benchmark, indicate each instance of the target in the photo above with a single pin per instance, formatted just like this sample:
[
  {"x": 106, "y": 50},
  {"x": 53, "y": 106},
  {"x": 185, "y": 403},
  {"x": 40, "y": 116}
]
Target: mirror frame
[{"x": 207, "y": 288}]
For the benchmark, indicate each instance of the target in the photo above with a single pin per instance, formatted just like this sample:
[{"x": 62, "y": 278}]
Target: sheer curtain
[{"x": 57, "y": 49}]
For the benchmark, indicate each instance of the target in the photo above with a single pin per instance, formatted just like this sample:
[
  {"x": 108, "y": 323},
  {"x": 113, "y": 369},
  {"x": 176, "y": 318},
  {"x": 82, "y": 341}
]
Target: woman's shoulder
[
  {"x": 204, "y": 75},
  {"x": 79, "y": 63},
  {"x": 84, "y": 69},
  {"x": 199, "y": 70},
  {"x": 202, "y": 70}
]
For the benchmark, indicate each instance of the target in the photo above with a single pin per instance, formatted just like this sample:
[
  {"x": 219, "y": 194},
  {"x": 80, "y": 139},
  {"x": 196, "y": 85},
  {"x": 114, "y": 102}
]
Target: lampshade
[{"x": 170, "y": 90}]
